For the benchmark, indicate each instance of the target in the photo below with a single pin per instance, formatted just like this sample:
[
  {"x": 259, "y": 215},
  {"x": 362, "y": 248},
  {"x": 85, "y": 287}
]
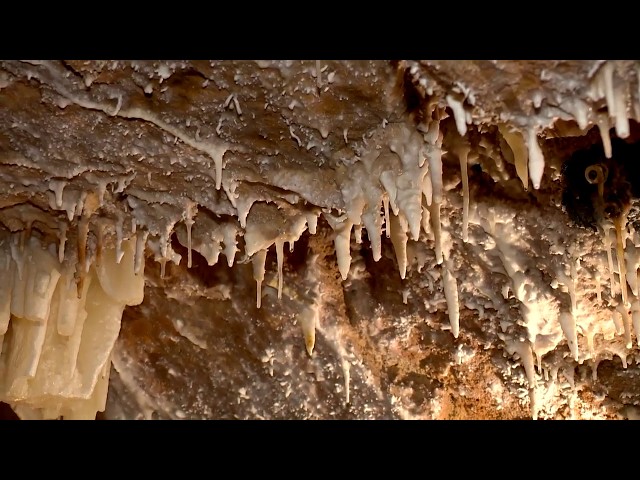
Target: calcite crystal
[{"x": 401, "y": 239}]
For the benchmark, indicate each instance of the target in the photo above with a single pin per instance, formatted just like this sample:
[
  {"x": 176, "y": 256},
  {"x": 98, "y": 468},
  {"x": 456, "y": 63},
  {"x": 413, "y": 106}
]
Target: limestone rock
[{"x": 406, "y": 239}]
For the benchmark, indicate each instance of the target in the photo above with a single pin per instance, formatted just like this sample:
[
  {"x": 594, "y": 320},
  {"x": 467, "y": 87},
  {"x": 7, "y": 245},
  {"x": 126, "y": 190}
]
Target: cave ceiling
[{"x": 319, "y": 239}]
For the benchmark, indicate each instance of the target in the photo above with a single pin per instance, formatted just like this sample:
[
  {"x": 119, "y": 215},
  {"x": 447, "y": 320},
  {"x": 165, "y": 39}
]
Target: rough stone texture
[{"x": 145, "y": 136}]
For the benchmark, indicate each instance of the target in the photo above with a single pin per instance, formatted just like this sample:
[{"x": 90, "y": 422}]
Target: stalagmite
[
  {"x": 63, "y": 239},
  {"x": 458, "y": 114},
  {"x": 607, "y": 87},
  {"x": 607, "y": 246},
  {"x": 100, "y": 242},
  {"x": 632, "y": 262},
  {"x": 398, "y": 226},
  {"x": 451, "y": 294},
  {"x": 520, "y": 154},
  {"x": 259, "y": 259},
  {"x": 427, "y": 190},
  {"x": 57, "y": 186},
  {"x": 346, "y": 368},
  {"x": 189, "y": 225},
  {"x": 626, "y": 323},
  {"x": 69, "y": 302},
  {"x": 44, "y": 273},
  {"x": 572, "y": 285},
  {"x": 385, "y": 205},
  {"x": 620, "y": 227},
  {"x": 163, "y": 255},
  {"x": 533, "y": 401},
  {"x": 622, "y": 120},
  {"x": 308, "y": 319},
  {"x": 83, "y": 231},
  {"x": 568, "y": 324},
  {"x": 388, "y": 181},
  {"x": 604, "y": 126},
  {"x": 280, "y": 259},
  {"x": 536, "y": 159},
  {"x": 119, "y": 236},
  {"x": 463, "y": 153},
  {"x": 580, "y": 111},
  {"x": 57, "y": 350},
  {"x": 141, "y": 242},
  {"x": 616, "y": 318},
  {"x": 435, "y": 171},
  {"x": 635, "y": 316},
  {"x": 318, "y": 75},
  {"x": 357, "y": 233},
  {"x": 426, "y": 221},
  {"x": 373, "y": 223},
  {"x": 524, "y": 351},
  {"x": 230, "y": 244},
  {"x": 342, "y": 242},
  {"x": 436, "y": 226},
  {"x": 118, "y": 279},
  {"x": 6, "y": 287},
  {"x": 343, "y": 254},
  {"x": 190, "y": 212},
  {"x": 16, "y": 256},
  {"x": 409, "y": 147},
  {"x": 20, "y": 360},
  {"x": 25, "y": 235},
  {"x": 312, "y": 222},
  {"x": 89, "y": 205}
]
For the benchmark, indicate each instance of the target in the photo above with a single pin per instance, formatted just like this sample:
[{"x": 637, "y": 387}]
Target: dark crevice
[
  {"x": 410, "y": 93},
  {"x": 280, "y": 194},
  {"x": 69, "y": 68},
  {"x": 7, "y": 413},
  {"x": 619, "y": 176}
]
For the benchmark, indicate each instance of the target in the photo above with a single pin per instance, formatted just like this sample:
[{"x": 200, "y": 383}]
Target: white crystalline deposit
[{"x": 56, "y": 341}]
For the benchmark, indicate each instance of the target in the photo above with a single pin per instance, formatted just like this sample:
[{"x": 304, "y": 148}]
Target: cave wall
[{"x": 326, "y": 239}]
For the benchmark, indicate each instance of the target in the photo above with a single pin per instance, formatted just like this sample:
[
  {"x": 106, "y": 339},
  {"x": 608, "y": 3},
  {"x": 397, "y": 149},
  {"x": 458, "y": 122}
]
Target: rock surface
[{"x": 482, "y": 286}]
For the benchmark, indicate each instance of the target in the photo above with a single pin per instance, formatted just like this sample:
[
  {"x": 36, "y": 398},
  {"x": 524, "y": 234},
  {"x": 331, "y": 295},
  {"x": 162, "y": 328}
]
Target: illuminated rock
[{"x": 426, "y": 277}]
